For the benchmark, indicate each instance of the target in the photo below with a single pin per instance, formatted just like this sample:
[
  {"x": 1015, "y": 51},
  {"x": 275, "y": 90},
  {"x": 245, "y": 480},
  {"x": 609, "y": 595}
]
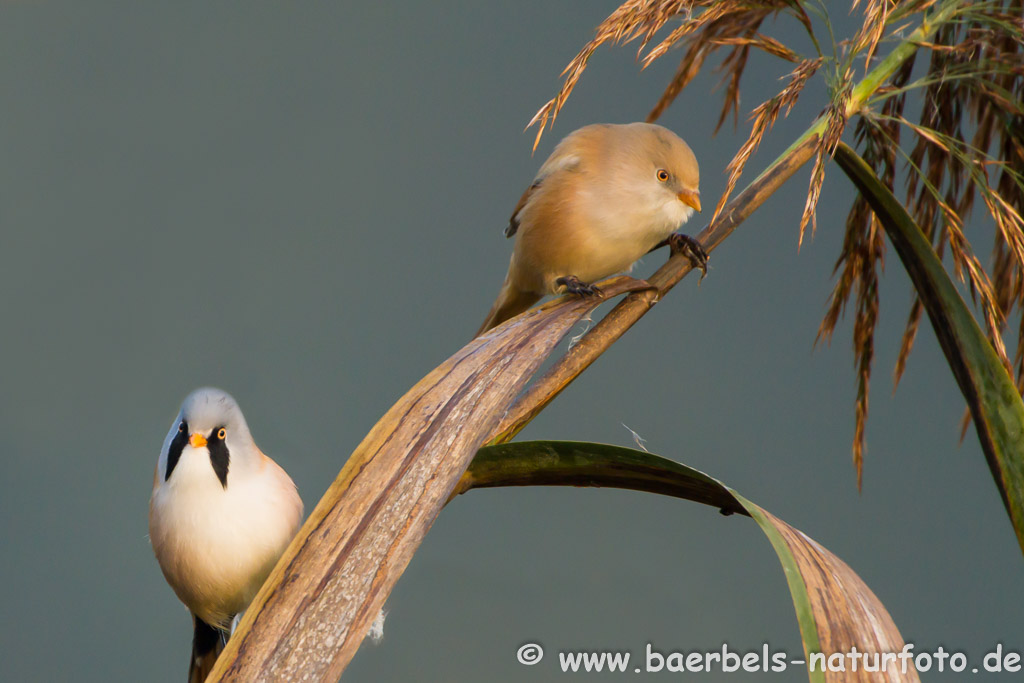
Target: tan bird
[
  {"x": 220, "y": 516},
  {"x": 606, "y": 196}
]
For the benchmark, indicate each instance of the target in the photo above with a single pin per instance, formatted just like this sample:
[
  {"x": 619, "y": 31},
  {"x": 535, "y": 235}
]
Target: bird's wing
[
  {"x": 513, "y": 222},
  {"x": 557, "y": 163}
]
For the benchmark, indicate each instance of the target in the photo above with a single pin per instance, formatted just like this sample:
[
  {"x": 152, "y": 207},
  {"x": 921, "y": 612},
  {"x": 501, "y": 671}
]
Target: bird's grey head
[{"x": 210, "y": 424}]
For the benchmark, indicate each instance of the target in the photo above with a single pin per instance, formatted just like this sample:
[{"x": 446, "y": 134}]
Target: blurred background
[{"x": 303, "y": 203}]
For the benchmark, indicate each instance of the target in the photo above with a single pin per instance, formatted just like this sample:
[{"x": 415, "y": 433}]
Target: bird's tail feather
[
  {"x": 207, "y": 644},
  {"x": 511, "y": 302}
]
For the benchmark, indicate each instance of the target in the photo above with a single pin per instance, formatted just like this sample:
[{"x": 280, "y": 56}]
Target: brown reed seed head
[{"x": 968, "y": 141}]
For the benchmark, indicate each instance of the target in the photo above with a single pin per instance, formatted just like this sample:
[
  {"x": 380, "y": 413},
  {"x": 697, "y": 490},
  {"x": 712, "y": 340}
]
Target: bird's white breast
[{"x": 216, "y": 545}]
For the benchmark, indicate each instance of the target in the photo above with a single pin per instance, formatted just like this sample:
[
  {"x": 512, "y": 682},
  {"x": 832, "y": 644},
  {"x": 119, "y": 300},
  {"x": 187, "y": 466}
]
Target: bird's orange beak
[
  {"x": 197, "y": 440},
  {"x": 690, "y": 198}
]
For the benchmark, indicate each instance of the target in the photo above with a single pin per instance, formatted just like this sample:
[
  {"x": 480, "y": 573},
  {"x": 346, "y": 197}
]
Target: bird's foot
[
  {"x": 573, "y": 285},
  {"x": 692, "y": 249}
]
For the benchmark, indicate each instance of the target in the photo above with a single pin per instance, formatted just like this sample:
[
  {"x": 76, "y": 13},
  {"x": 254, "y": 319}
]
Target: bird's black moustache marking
[
  {"x": 177, "y": 445},
  {"x": 219, "y": 456}
]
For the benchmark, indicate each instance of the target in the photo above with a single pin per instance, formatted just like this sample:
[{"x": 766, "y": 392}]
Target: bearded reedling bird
[
  {"x": 220, "y": 516},
  {"x": 606, "y": 196}
]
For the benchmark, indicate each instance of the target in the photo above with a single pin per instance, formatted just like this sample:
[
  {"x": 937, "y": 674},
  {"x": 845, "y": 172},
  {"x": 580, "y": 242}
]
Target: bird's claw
[
  {"x": 684, "y": 244},
  {"x": 573, "y": 285}
]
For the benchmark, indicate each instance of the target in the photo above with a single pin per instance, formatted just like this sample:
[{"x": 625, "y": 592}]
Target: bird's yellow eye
[
  {"x": 221, "y": 433},
  {"x": 662, "y": 175}
]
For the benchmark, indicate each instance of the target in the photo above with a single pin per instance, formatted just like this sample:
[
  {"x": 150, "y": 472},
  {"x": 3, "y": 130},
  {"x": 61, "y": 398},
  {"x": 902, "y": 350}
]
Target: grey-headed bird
[
  {"x": 220, "y": 516},
  {"x": 606, "y": 196}
]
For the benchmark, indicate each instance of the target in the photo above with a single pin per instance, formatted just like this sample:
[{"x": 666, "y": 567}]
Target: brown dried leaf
[
  {"x": 835, "y": 610},
  {"x": 315, "y": 609}
]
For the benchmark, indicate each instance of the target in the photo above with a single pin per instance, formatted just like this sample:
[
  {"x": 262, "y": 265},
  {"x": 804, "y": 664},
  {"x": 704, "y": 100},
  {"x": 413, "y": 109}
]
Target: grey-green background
[{"x": 302, "y": 203}]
